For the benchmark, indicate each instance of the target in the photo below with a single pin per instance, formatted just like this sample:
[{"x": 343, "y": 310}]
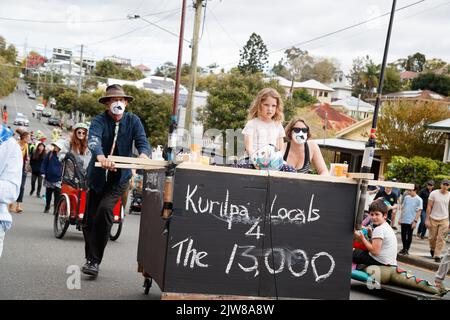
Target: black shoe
[
  {"x": 437, "y": 259},
  {"x": 31, "y": 193},
  {"x": 403, "y": 251},
  {"x": 38, "y": 195},
  {"x": 432, "y": 253},
  {"x": 46, "y": 210},
  {"x": 90, "y": 268}
]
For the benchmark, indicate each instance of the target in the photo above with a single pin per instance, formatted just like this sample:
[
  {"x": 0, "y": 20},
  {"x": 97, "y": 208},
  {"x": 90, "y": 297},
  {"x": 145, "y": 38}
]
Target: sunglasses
[
  {"x": 297, "y": 130},
  {"x": 81, "y": 132}
]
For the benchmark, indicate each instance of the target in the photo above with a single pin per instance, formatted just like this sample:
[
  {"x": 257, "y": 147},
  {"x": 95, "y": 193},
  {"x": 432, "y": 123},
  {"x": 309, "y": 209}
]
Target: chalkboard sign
[{"x": 259, "y": 233}]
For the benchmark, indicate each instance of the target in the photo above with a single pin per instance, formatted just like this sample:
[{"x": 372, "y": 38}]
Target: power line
[
  {"x": 81, "y": 21},
  {"x": 136, "y": 29},
  {"x": 345, "y": 28},
  {"x": 221, "y": 26},
  {"x": 338, "y": 31}
]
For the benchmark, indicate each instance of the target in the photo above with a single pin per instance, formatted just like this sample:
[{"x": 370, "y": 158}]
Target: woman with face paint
[{"x": 300, "y": 152}]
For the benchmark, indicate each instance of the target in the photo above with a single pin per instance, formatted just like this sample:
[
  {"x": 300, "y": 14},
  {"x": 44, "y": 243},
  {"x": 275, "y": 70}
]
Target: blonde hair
[
  {"x": 260, "y": 97},
  {"x": 291, "y": 124}
]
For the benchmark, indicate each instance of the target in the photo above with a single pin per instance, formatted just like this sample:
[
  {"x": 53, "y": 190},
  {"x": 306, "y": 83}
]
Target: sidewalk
[{"x": 419, "y": 253}]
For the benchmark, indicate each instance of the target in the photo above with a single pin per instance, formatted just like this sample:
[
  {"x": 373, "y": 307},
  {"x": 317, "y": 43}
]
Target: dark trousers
[
  {"x": 422, "y": 228},
  {"x": 34, "y": 177},
  {"x": 363, "y": 257},
  {"x": 407, "y": 233},
  {"x": 99, "y": 220},
  {"x": 48, "y": 197},
  {"x": 22, "y": 186}
]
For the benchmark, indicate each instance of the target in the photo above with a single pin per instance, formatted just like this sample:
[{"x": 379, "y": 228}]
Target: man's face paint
[{"x": 117, "y": 107}]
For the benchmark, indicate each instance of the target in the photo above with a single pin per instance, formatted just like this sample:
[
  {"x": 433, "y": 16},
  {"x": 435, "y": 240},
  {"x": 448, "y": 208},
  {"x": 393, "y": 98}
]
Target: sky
[{"x": 104, "y": 30}]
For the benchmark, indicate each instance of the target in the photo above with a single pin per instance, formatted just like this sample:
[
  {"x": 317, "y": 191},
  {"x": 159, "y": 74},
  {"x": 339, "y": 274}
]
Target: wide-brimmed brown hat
[{"x": 114, "y": 91}]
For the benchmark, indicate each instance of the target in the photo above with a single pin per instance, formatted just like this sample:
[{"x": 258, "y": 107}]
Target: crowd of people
[{"x": 115, "y": 131}]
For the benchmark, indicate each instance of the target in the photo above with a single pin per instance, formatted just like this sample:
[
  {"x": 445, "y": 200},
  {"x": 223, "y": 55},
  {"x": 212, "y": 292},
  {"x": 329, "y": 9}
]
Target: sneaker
[
  {"x": 90, "y": 268},
  {"x": 437, "y": 259},
  {"x": 402, "y": 252},
  {"x": 31, "y": 193},
  {"x": 432, "y": 253},
  {"x": 394, "y": 228},
  {"x": 46, "y": 210},
  {"x": 406, "y": 252}
]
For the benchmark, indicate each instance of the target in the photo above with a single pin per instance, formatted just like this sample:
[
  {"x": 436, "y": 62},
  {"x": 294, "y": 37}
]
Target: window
[
  {"x": 325, "y": 94},
  {"x": 320, "y": 93}
]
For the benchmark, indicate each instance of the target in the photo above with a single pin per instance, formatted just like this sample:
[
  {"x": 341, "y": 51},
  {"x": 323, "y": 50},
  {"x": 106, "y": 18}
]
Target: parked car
[
  {"x": 32, "y": 95},
  {"x": 21, "y": 120},
  {"x": 46, "y": 113},
  {"x": 40, "y": 107},
  {"x": 54, "y": 121}
]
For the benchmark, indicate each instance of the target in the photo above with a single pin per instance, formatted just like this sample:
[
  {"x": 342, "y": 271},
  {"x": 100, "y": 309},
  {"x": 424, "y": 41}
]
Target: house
[
  {"x": 341, "y": 91},
  {"x": 333, "y": 119},
  {"x": 146, "y": 71},
  {"x": 315, "y": 88},
  {"x": 407, "y": 76},
  {"x": 348, "y": 147},
  {"x": 415, "y": 95},
  {"x": 355, "y": 107},
  {"x": 122, "y": 62},
  {"x": 444, "y": 127}
]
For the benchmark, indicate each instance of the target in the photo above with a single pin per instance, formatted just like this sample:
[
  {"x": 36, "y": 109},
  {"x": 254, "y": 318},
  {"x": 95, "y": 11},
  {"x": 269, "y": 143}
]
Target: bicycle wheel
[
  {"x": 116, "y": 229},
  {"x": 61, "y": 219}
]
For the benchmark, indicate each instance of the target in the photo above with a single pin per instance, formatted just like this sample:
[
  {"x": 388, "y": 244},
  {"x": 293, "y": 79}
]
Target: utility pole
[
  {"x": 77, "y": 113},
  {"x": 81, "y": 69},
  {"x": 193, "y": 72},
  {"x": 69, "y": 78}
]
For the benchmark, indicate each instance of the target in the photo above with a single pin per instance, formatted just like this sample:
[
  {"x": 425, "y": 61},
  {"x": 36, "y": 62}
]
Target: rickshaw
[{"x": 71, "y": 206}]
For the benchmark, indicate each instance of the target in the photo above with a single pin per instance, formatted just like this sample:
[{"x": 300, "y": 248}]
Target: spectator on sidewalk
[
  {"x": 410, "y": 213},
  {"x": 36, "y": 159},
  {"x": 10, "y": 178},
  {"x": 51, "y": 169},
  {"x": 437, "y": 219},
  {"x": 442, "y": 271},
  {"x": 424, "y": 194},
  {"x": 382, "y": 249},
  {"x": 391, "y": 198}
]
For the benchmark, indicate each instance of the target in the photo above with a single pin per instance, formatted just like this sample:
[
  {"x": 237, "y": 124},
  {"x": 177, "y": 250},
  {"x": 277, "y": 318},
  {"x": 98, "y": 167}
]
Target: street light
[{"x": 137, "y": 16}]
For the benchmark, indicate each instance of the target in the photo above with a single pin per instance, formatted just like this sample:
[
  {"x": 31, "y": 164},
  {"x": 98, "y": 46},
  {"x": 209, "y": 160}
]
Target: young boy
[
  {"x": 382, "y": 249},
  {"x": 411, "y": 209}
]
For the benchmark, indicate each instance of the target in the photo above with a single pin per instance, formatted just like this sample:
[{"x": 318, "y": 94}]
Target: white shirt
[
  {"x": 11, "y": 163},
  {"x": 388, "y": 252},
  {"x": 263, "y": 133},
  {"x": 440, "y": 204}
]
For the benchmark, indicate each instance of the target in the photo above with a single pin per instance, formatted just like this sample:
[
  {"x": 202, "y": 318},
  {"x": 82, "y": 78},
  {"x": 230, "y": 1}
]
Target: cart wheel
[
  {"x": 147, "y": 285},
  {"x": 61, "y": 219},
  {"x": 116, "y": 229}
]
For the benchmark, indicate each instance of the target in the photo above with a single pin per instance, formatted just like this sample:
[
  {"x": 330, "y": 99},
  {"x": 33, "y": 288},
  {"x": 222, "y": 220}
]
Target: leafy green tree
[
  {"x": 107, "y": 69},
  {"x": 89, "y": 105},
  {"x": 323, "y": 71},
  {"x": 392, "y": 82},
  {"x": 154, "y": 110},
  {"x": 296, "y": 62},
  {"x": 417, "y": 169},
  {"x": 402, "y": 131},
  {"x": 431, "y": 81},
  {"x": 415, "y": 62},
  {"x": 254, "y": 55},
  {"x": 437, "y": 66},
  {"x": 8, "y": 70},
  {"x": 363, "y": 76},
  {"x": 229, "y": 99},
  {"x": 66, "y": 100}
]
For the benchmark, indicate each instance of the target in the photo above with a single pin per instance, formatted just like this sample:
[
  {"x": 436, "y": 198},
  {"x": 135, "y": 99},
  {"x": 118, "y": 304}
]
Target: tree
[
  {"x": 401, "y": 128},
  {"x": 431, "y": 81},
  {"x": 229, "y": 99},
  {"x": 154, "y": 110},
  {"x": 363, "y": 76},
  {"x": 254, "y": 56},
  {"x": 89, "y": 105},
  {"x": 107, "y": 69},
  {"x": 323, "y": 70},
  {"x": 392, "y": 82},
  {"x": 415, "y": 62},
  {"x": 296, "y": 61},
  {"x": 8, "y": 70},
  {"x": 437, "y": 66}
]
